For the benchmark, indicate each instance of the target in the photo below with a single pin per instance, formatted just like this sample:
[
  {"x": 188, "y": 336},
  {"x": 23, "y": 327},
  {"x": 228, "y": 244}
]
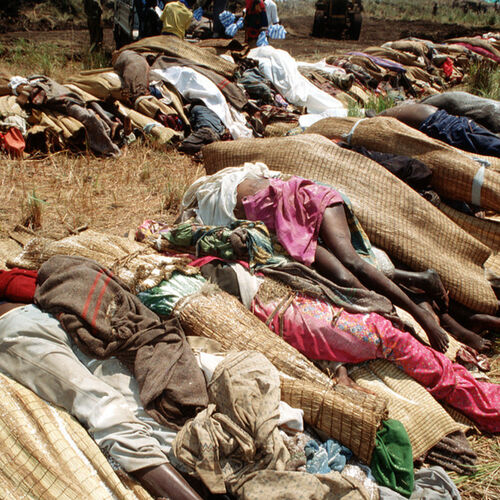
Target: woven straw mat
[
  {"x": 46, "y": 454},
  {"x": 453, "y": 170},
  {"x": 101, "y": 247},
  {"x": 175, "y": 47},
  {"x": 395, "y": 217},
  {"x": 486, "y": 231},
  {"x": 219, "y": 316},
  {"x": 353, "y": 424},
  {"x": 425, "y": 420}
]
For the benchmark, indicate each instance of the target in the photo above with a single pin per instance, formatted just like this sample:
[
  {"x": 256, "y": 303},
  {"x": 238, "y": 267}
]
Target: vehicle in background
[
  {"x": 340, "y": 19},
  {"x": 125, "y": 22}
]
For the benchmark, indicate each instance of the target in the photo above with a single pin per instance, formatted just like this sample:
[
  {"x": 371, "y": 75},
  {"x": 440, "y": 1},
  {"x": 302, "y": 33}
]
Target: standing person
[
  {"x": 93, "y": 11},
  {"x": 255, "y": 20},
  {"x": 272, "y": 12},
  {"x": 176, "y": 18},
  {"x": 152, "y": 24}
]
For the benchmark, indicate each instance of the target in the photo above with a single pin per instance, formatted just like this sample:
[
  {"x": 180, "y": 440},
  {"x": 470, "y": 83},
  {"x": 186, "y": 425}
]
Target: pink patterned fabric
[
  {"x": 311, "y": 326},
  {"x": 293, "y": 210}
]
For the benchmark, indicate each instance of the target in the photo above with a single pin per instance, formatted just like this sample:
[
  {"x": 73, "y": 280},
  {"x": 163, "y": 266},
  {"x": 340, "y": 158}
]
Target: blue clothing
[
  {"x": 461, "y": 132},
  {"x": 325, "y": 457}
]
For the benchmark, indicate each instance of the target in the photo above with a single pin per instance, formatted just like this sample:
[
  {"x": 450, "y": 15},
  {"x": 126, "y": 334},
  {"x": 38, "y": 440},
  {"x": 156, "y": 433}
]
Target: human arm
[{"x": 164, "y": 481}]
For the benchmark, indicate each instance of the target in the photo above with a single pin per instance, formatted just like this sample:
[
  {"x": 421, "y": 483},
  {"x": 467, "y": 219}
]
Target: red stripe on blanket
[
  {"x": 99, "y": 300},
  {"x": 223, "y": 84},
  {"x": 89, "y": 296}
]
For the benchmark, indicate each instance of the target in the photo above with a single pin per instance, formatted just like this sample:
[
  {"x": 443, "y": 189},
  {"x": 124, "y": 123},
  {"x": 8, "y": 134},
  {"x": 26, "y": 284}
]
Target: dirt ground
[
  {"x": 298, "y": 42},
  {"x": 116, "y": 195}
]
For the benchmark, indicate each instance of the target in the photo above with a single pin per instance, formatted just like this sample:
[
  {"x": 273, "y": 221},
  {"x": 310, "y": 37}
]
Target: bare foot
[
  {"x": 438, "y": 338},
  {"x": 344, "y": 379},
  {"x": 464, "y": 335}
]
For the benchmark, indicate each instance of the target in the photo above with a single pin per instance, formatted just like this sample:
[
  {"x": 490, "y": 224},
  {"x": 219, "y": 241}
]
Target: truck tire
[{"x": 355, "y": 28}]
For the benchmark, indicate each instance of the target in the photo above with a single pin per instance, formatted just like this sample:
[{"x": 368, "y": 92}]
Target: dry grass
[
  {"x": 484, "y": 484},
  {"x": 105, "y": 194},
  {"x": 62, "y": 192}
]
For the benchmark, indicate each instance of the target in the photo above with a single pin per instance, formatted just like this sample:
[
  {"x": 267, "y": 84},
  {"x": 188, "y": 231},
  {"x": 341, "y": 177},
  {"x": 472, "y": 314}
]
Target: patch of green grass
[
  {"x": 484, "y": 79},
  {"x": 34, "y": 58},
  {"x": 447, "y": 12},
  {"x": 380, "y": 103}
]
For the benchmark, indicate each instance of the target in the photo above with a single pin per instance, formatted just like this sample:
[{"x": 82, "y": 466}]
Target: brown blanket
[
  {"x": 105, "y": 319},
  {"x": 134, "y": 71}
]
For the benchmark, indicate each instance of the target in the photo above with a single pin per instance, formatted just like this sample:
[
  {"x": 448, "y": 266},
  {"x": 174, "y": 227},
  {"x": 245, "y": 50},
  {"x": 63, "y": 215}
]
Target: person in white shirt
[{"x": 272, "y": 12}]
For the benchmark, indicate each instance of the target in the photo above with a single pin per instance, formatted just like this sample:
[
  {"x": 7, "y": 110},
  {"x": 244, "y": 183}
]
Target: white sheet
[
  {"x": 281, "y": 68},
  {"x": 215, "y": 195},
  {"x": 194, "y": 85}
]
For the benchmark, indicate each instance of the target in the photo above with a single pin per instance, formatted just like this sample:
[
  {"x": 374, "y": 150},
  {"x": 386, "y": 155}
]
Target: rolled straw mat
[
  {"x": 175, "y": 47},
  {"x": 485, "y": 230},
  {"x": 8, "y": 250},
  {"x": 103, "y": 85},
  {"x": 279, "y": 129},
  {"x": 354, "y": 424},
  {"x": 46, "y": 454},
  {"x": 101, "y": 247},
  {"x": 395, "y": 217},
  {"x": 453, "y": 170},
  {"x": 425, "y": 420},
  {"x": 217, "y": 315}
]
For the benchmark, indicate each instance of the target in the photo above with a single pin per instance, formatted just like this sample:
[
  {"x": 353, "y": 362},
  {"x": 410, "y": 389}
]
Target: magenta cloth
[
  {"x": 293, "y": 210},
  {"x": 479, "y": 50},
  {"x": 354, "y": 338},
  {"x": 201, "y": 261}
]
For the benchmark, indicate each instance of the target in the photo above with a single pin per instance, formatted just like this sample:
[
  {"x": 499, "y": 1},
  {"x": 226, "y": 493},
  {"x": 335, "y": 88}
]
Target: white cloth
[
  {"x": 15, "y": 81},
  {"x": 247, "y": 283},
  {"x": 272, "y": 12},
  {"x": 322, "y": 66},
  {"x": 280, "y": 68},
  {"x": 291, "y": 419},
  {"x": 214, "y": 196},
  {"x": 193, "y": 85},
  {"x": 101, "y": 394}
]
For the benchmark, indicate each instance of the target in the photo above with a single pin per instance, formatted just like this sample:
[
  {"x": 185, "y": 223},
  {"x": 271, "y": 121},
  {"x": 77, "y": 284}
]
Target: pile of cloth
[
  {"x": 191, "y": 94},
  {"x": 222, "y": 347},
  {"x": 257, "y": 428}
]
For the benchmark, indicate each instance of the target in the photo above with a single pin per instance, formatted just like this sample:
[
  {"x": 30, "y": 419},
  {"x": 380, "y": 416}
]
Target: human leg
[
  {"x": 35, "y": 351},
  {"x": 323, "y": 332},
  {"x": 446, "y": 381},
  {"x": 337, "y": 237},
  {"x": 428, "y": 281},
  {"x": 476, "y": 322},
  {"x": 463, "y": 334}
]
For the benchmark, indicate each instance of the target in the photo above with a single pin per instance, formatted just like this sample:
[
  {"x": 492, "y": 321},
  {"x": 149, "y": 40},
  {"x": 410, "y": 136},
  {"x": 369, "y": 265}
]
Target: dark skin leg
[
  {"x": 476, "y": 322},
  {"x": 427, "y": 281},
  {"x": 411, "y": 114},
  {"x": 165, "y": 481},
  {"x": 464, "y": 335},
  {"x": 344, "y": 379},
  {"x": 337, "y": 237}
]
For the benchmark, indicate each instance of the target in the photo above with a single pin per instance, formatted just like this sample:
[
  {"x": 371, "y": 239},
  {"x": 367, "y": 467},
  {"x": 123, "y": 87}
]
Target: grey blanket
[{"x": 485, "y": 112}]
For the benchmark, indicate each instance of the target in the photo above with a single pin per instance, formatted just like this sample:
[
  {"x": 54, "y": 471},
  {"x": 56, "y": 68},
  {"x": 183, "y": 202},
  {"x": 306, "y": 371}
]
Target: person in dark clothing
[
  {"x": 151, "y": 23},
  {"x": 457, "y": 131},
  {"x": 93, "y": 11}
]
